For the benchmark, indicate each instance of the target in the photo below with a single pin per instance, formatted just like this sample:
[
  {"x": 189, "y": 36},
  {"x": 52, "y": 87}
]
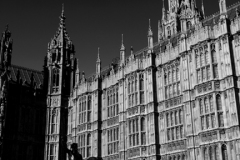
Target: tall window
[
  {"x": 55, "y": 80},
  {"x": 174, "y": 124},
  {"x": 82, "y": 144},
  {"x": 112, "y": 106},
  {"x": 53, "y": 122},
  {"x": 214, "y": 61},
  {"x": 137, "y": 135},
  {"x": 69, "y": 121},
  {"x": 172, "y": 85},
  {"x": 203, "y": 65},
  {"x": 89, "y": 145},
  {"x": 89, "y": 108},
  {"x": 113, "y": 140},
  {"x": 82, "y": 111},
  {"x": 52, "y": 152},
  {"x": 207, "y": 113},
  {"x": 224, "y": 152},
  {"x": 141, "y": 88},
  {"x": 143, "y": 131},
  {"x": 219, "y": 111}
]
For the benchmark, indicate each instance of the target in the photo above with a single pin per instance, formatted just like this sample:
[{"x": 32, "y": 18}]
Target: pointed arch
[{"x": 224, "y": 152}]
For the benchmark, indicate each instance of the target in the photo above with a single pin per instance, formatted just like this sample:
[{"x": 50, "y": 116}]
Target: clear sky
[{"x": 90, "y": 24}]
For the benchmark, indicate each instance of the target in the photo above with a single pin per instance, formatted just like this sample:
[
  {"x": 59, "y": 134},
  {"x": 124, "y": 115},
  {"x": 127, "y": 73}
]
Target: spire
[
  {"x": 160, "y": 31},
  {"x": 98, "y": 58},
  {"x": 77, "y": 68},
  {"x": 203, "y": 10},
  {"x": 163, "y": 12},
  {"x": 62, "y": 17},
  {"x": 150, "y": 33},
  {"x": 122, "y": 46}
]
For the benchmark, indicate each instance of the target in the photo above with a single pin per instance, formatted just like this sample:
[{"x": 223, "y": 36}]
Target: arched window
[
  {"x": 211, "y": 155},
  {"x": 180, "y": 117},
  {"x": 189, "y": 25},
  {"x": 89, "y": 102},
  {"x": 176, "y": 117},
  {"x": 207, "y": 57},
  {"x": 219, "y": 102},
  {"x": 169, "y": 78},
  {"x": 129, "y": 86},
  {"x": 141, "y": 88},
  {"x": 141, "y": 83},
  {"x": 214, "y": 56},
  {"x": 206, "y": 105},
  {"x": 143, "y": 124},
  {"x": 183, "y": 157},
  {"x": 224, "y": 152},
  {"x": 55, "y": 80},
  {"x": 202, "y": 59},
  {"x": 167, "y": 119},
  {"x": 211, "y": 103},
  {"x": 54, "y": 121},
  {"x": 174, "y": 76},
  {"x": 201, "y": 106},
  {"x": 89, "y": 139},
  {"x": 165, "y": 79},
  {"x": 205, "y": 154},
  {"x": 114, "y": 98},
  {"x": 143, "y": 131},
  {"x": 172, "y": 119}
]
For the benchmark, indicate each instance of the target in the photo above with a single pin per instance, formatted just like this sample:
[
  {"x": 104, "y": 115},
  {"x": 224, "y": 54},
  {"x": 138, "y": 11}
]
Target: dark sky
[{"x": 90, "y": 24}]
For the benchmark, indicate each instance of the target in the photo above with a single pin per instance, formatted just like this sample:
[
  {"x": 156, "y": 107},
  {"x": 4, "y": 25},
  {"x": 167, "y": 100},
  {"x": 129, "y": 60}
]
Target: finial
[
  {"x": 122, "y": 46},
  {"x": 131, "y": 49},
  {"x": 203, "y": 10},
  {"x": 62, "y": 8},
  {"x": 98, "y": 58},
  {"x": 122, "y": 39},
  {"x": 150, "y": 29},
  {"x": 149, "y": 24}
]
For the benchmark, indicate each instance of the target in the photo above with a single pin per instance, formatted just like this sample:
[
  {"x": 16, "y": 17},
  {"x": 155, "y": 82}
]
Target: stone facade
[{"x": 176, "y": 99}]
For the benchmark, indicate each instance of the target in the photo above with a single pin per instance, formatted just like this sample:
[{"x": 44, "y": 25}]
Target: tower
[
  {"x": 60, "y": 68},
  {"x": 5, "y": 62}
]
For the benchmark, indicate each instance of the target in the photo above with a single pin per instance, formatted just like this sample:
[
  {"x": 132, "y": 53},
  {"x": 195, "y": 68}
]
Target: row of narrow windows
[
  {"x": 208, "y": 112},
  {"x": 137, "y": 135}
]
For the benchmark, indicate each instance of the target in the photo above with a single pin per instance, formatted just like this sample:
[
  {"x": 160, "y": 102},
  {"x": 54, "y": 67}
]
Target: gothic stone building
[
  {"x": 176, "y": 99},
  {"x": 22, "y": 108}
]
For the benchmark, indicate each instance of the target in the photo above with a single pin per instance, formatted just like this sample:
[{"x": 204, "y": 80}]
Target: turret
[
  {"x": 223, "y": 8},
  {"x": 61, "y": 72},
  {"x": 163, "y": 12}
]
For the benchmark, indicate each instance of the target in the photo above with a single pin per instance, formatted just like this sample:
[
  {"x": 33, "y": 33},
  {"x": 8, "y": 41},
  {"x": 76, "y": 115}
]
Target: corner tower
[{"x": 60, "y": 72}]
